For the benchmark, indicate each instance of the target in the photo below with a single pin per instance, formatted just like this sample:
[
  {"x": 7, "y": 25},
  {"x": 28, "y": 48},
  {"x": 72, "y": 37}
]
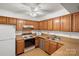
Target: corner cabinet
[
  {"x": 66, "y": 23},
  {"x": 76, "y": 22}
]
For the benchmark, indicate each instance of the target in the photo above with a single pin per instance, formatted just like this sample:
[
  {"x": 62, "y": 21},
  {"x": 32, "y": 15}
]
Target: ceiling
[{"x": 37, "y": 11}]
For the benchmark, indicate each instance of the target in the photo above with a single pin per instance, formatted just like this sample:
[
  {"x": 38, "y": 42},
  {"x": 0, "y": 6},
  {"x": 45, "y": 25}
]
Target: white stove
[{"x": 28, "y": 37}]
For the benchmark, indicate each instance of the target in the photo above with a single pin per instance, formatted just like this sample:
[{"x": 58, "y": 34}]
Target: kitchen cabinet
[
  {"x": 59, "y": 45},
  {"x": 76, "y": 22},
  {"x": 50, "y": 24},
  {"x": 37, "y": 41},
  {"x": 3, "y": 20},
  {"x": 19, "y": 46},
  {"x": 41, "y": 25},
  {"x": 35, "y": 25},
  {"x": 46, "y": 45},
  {"x": 32, "y": 23},
  {"x": 19, "y": 25},
  {"x": 45, "y": 25},
  {"x": 52, "y": 47},
  {"x": 28, "y": 22},
  {"x": 56, "y": 24},
  {"x": 66, "y": 23},
  {"x": 11, "y": 21}
]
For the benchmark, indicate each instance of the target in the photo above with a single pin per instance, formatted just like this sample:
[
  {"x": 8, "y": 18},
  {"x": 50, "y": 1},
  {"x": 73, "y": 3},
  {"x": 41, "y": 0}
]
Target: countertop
[{"x": 70, "y": 47}]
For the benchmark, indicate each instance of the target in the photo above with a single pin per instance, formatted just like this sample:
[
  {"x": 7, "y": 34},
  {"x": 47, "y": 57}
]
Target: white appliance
[{"x": 7, "y": 40}]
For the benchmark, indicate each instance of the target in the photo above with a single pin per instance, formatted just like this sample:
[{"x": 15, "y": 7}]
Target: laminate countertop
[{"x": 70, "y": 47}]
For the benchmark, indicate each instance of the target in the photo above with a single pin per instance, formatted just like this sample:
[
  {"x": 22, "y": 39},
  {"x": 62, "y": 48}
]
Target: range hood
[{"x": 28, "y": 27}]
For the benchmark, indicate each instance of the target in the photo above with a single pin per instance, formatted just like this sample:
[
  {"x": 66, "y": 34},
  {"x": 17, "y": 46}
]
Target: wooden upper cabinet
[
  {"x": 28, "y": 22},
  {"x": 66, "y": 23},
  {"x": 45, "y": 25},
  {"x": 76, "y": 22},
  {"x": 3, "y": 20},
  {"x": 56, "y": 24},
  {"x": 35, "y": 25},
  {"x": 11, "y": 21},
  {"x": 41, "y": 25},
  {"x": 19, "y": 26},
  {"x": 50, "y": 24}
]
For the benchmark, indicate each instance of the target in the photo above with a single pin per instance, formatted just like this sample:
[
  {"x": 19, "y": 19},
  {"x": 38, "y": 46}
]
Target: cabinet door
[
  {"x": 35, "y": 25},
  {"x": 66, "y": 23},
  {"x": 37, "y": 41},
  {"x": 11, "y": 21},
  {"x": 53, "y": 47},
  {"x": 76, "y": 22},
  {"x": 45, "y": 25},
  {"x": 50, "y": 24},
  {"x": 46, "y": 45},
  {"x": 56, "y": 24},
  {"x": 20, "y": 46},
  {"x": 3, "y": 20},
  {"x": 59, "y": 45},
  {"x": 19, "y": 25},
  {"x": 41, "y": 25}
]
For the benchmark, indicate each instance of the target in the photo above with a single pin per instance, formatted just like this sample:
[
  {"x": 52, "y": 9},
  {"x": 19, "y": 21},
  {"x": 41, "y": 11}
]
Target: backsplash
[{"x": 59, "y": 33}]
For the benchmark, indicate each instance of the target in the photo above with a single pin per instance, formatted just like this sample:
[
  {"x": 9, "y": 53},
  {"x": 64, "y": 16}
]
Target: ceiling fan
[{"x": 34, "y": 10}]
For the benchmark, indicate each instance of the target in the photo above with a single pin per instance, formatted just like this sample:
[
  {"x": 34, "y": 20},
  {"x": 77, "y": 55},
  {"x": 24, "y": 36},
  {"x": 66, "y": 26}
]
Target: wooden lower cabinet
[
  {"x": 37, "y": 41},
  {"x": 52, "y": 47},
  {"x": 59, "y": 45},
  {"x": 19, "y": 46},
  {"x": 48, "y": 46}
]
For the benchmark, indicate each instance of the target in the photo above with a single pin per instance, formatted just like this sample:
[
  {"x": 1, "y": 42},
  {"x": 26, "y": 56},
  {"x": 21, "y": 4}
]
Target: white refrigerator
[{"x": 7, "y": 40}]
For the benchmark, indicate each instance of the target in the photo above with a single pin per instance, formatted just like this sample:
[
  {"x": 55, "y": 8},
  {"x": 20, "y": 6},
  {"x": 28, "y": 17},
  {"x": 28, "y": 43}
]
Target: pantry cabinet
[
  {"x": 66, "y": 23},
  {"x": 11, "y": 21},
  {"x": 76, "y": 22},
  {"x": 3, "y": 20},
  {"x": 57, "y": 24}
]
